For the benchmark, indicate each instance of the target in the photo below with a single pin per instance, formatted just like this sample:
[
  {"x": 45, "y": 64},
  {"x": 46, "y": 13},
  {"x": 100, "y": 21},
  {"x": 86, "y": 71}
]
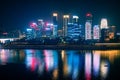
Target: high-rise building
[
  {"x": 112, "y": 32},
  {"x": 74, "y": 30},
  {"x": 96, "y": 32},
  {"x": 88, "y": 34},
  {"x": 65, "y": 24},
  {"x": 75, "y": 19},
  {"x": 104, "y": 29},
  {"x": 55, "y": 19},
  {"x": 104, "y": 24},
  {"x": 40, "y": 23},
  {"x": 88, "y": 27},
  {"x": 104, "y": 35},
  {"x": 89, "y": 17},
  {"x": 48, "y": 30},
  {"x": 30, "y": 33},
  {"x": 40, "y": 28},
  {"x": 55, "y": 24}
]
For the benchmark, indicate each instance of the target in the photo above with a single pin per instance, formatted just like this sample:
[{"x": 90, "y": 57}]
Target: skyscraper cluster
[{"x": 72, "y": 28}]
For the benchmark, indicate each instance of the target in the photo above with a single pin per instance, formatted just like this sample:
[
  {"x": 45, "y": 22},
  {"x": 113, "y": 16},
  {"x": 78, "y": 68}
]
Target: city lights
[
  {"x": 104, "y": 23},
  {"x": 70, "y": 27},
  {"x": 29, "y": 29},
  {"x": 75, "y": 17},
  {"x": 60, "y": 39},
  {"x": 55, "y": 14},
  {"x": 65, "y": 16}
]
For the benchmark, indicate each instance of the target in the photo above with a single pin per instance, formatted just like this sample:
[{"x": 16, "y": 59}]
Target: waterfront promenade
[{"x": 96, "y": 46}]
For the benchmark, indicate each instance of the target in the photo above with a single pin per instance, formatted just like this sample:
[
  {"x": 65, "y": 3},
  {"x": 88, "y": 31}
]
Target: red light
[
  {"x": 33, "y": 25},
  {"x": 89, "y": 15},
  {"x": 4, "y": 33}
]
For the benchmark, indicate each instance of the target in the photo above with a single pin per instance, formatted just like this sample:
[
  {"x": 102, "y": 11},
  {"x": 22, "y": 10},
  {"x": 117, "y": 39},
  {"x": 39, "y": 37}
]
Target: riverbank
[{"x": 72, "y": 47}]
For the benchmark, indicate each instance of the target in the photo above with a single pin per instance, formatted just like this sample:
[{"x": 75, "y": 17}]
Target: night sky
[{"x": 17, "y": 14}]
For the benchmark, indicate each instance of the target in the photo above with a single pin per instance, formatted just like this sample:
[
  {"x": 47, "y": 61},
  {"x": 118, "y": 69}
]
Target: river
[{"x": 33, "y": 64}]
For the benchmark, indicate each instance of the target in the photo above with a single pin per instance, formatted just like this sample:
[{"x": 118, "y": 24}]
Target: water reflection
[
  {"x": 68, "y": 64},
  {"x": 104, "y": 69},
  {"x": 96, "y": 63},
  {"x": 88, "y": 64}
]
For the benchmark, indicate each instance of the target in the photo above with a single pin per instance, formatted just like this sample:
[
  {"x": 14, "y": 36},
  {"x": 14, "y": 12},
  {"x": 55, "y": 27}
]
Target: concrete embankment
[{"x": 79, "y": 47}]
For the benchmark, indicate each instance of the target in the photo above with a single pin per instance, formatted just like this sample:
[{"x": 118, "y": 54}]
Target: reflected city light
[
  {"x": 48, "y": 60},
  {"x": 70, "y": 61},
  {"x": 22, "y": 55},
  {"x": 110, "y": 54},
  {"x": 55, "y": 74},
  {"x": 104, "y": 69},
  {"x": 69, "y": 64},
  {"x": 65, "y": 65},
  {"x": 4, "y": 56},
  {"x": 31, "y": 60},
  {"x": 51, "y": 59},
  {"x": 76, "y": 66},
  {"x": 96, "y": 63},
  {"x": 63, "y": 54},
  {"x": 88, "y": 59}
]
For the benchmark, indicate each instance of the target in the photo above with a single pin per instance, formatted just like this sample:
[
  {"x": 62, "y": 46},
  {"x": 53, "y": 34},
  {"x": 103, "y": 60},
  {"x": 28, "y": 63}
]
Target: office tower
[
  {"x": 75, "y": 19},
  {"x": 96, "y": 32},
  {"x": 65, "y": 24},
  {"x": 104, "y": 35},
  {"x": 89, "y": 17},
  {"x": 55, "y": 24},
  {"x": 88, "y": 34},
  {"x": 40, "y": 23},
  {"x": 29, "y": 33},
  {"x": 55, "y": 19},
  {"x": 104, "y": 30},
  {"x": 40, "y": 27},
  {"x": 104, "y": 24},
  {"x": 74, "y": 30},
  {"x": 112, "y": 32},
  {"x": 48, "y": 30},
  {"x": 88, "y": 27}
]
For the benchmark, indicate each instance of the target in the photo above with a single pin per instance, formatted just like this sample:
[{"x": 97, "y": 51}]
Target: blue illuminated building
[
  {"x": 75, "y": 30},
  {"x": 29, "y": 33},
  {"x": 55, "y": 24}
]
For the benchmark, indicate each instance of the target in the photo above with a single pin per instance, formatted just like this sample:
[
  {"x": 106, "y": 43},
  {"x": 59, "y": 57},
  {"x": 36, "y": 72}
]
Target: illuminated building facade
[
  {"x": 88, "y": 27},
  {"x": 65, "y": 24},
  {"x": 112, "y": 32},
  {"x": 96, "y": 32},
  {"x": 55, "y": 18},
  {"x": 88, "y": 34},
  {"x": 104, "y": 23},
  {"x": 75, "y": 19},
  {"x": 75, "y": 30},
  {"x": 55, "y": 24},
  {"x": 30, "y": 34},
  {"x": 104, "y": 35},
  {"x": 48, "y": 30}
]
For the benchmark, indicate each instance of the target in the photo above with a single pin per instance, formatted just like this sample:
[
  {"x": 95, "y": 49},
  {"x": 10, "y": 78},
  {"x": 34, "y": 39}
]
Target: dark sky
[{"x": 17, "y": 14}]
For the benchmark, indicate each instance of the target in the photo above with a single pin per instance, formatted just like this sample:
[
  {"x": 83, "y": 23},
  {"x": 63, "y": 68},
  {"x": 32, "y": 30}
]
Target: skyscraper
[
  {"x": 55, "y": 24},
  {"x": 112, "y": 32},
  {"x": 104, "y": 24},
  {"x": 65, "y": 24},
  {"x": 88, "y": 27},
  {"x": 75, "y": 19},
  {"x": 88, "y": 35},
  {"x": 96, "y": 32},
  {"x": 104, "y": 30},
  {"x": 55, "y": 19}
]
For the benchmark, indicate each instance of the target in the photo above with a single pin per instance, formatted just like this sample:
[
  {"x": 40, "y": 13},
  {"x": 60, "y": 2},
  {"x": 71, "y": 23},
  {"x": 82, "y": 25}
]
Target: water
[{"x": 33, "y": 64}]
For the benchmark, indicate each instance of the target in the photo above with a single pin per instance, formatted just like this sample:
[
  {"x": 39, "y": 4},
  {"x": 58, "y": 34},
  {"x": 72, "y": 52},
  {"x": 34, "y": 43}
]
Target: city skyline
[{"x": 18, "y": 14}]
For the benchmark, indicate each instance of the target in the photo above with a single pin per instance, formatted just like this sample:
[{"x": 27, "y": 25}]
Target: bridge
[{"x": 4, "y": 40}]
